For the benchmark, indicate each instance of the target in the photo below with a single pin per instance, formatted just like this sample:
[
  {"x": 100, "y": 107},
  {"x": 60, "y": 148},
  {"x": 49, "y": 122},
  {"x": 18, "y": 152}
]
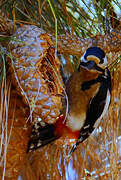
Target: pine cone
[
  {"x": 35, "y": 76},
  {"x": 35, "y": 72}
]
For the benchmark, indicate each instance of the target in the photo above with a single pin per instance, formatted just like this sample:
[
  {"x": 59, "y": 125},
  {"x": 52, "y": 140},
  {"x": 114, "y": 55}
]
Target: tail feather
[{"x": 41, "y": 136}]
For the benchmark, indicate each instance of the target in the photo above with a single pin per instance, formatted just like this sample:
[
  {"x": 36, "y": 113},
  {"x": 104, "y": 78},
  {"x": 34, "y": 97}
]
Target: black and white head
[{"x": 94, "y": 57}]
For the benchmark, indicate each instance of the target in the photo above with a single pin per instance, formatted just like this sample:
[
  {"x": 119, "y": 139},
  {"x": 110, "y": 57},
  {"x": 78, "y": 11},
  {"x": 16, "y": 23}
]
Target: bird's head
[{"x": 94, "y": 59}]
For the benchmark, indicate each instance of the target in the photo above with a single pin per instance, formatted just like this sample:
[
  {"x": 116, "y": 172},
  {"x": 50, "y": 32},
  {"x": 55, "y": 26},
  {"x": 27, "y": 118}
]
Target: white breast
[{"x": 75, "y": 122}]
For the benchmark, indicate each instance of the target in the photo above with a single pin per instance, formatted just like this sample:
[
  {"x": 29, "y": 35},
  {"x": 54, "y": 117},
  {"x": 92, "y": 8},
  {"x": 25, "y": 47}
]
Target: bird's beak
[
  {"x": 88, "y": 65},
  {"x": 91, "y": 65}
]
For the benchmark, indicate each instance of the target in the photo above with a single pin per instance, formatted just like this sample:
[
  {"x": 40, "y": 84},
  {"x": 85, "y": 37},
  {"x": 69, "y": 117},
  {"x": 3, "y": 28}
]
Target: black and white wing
[{"x": 98, "y": 106}]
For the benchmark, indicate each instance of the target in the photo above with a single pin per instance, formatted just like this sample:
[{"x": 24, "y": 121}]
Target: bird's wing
[{"x": 97, "y": 107}]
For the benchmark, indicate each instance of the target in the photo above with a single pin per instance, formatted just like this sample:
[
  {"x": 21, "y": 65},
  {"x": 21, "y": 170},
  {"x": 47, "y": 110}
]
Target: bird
[{"x": 89, "y": 94}]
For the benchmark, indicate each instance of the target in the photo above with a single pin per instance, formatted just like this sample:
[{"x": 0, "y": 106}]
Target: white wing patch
[{"x": 108, "y": 98}]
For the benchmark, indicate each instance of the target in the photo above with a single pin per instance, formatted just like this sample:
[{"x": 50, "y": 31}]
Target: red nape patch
[{"x": 63, "y": 130}]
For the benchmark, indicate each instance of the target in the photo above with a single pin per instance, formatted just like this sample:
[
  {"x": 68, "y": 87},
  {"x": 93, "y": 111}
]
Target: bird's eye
[{"x": 93, "y": 58}]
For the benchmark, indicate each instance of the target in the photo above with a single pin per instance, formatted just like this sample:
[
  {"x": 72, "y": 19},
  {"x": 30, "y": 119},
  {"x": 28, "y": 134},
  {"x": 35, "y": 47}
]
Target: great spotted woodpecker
[{"x": 89, "y": 93}]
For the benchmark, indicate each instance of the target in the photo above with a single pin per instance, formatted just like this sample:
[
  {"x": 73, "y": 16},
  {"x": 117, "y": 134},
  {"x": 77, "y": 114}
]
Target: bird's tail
[{"x": 43, "y": 134}]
